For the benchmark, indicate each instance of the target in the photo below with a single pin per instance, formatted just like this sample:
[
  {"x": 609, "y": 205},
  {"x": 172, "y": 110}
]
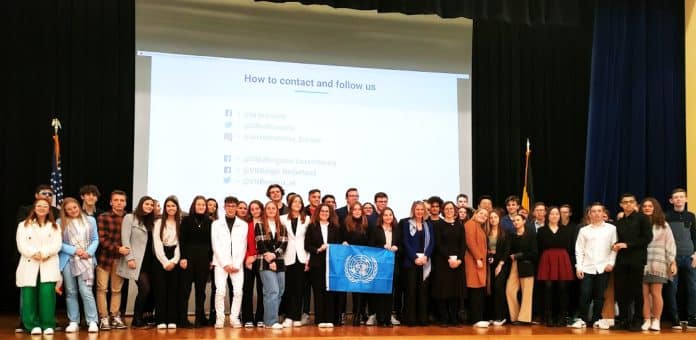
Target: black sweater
[
  {"x": 195, "y": 240},
  {"x": 634, "y": 230}
]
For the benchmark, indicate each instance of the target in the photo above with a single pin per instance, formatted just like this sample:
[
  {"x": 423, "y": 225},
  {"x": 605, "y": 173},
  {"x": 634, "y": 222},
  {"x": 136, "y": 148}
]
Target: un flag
[{"x": 359, "y": 269}]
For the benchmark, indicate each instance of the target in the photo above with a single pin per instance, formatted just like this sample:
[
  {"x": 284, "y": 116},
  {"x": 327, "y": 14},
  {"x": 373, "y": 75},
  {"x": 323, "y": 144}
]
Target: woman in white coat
[
  {"x": 38, "y": 242},
  {"x": 229, "y": 243},
  {"x": 295, "y": 222}
]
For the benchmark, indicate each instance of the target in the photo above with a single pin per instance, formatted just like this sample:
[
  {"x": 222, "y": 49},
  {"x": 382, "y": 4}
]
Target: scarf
[
  {"x": 412, "y": 230},
  {"x": 79, "y": 266}
]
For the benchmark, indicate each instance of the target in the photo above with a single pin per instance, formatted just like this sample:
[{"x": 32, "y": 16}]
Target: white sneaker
[
  {"x": 220, "y": 323},
  {"x": 305, "y": 319},
  {"x": 162, "y": 326},
  {"x": 601, "y": 324},
  {"x": 646, "y": 325},
  {"x": 578, "y": 324},
  {"x": 236, "y": 323},
  {"x": 482, "y": 324},
  {"x": 287, "y": 323},
  {"x": 371, "y": 320},
  {"x": 326, "y": 325},
  {"x": 655, "y": 325},
  {"x": 499, "y": 322},
  {"x": 249, "y": 324},
  {"x": 48, "y": 331},
  {"x": 36, "y": 331},
  {"x": 277, "y": 326},
  {"x": 93, "y": 327},
  {"x": 171, "y": 326},
  {"x": 395, "y": 321},
  {"x": 72, "y": 327},
  {"x": 260, "y": 324},
  {"x": 297, "y": 324}
]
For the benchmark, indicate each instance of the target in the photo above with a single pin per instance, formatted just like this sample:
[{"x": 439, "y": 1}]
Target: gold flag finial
[{"x": 55, "y": 123}]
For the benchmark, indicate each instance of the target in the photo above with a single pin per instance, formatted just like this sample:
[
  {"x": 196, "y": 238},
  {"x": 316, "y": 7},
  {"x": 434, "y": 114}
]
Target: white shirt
[
  {"x": 388, "y": 237},
  {"x": 272, "y": 228},
  {"x": 593, "y": 248},
  {"x": 324, "y": 232},
  {"x": 169, "y": 239}
]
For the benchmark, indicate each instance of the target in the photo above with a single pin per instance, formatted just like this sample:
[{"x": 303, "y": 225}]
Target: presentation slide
[{"x": 224, "y": 126}]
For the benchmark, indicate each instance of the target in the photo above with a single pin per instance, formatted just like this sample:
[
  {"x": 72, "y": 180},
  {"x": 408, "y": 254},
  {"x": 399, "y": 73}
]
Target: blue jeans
[
  {"x": 684, "y": 268},
  {"x": 592, "y": 289},
  {"x": 273, "y": 288},
  {"x": 72, "y": 284}
]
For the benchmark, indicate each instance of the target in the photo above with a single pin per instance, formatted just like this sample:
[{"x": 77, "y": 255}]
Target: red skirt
[{"x": 554, "y": 265}]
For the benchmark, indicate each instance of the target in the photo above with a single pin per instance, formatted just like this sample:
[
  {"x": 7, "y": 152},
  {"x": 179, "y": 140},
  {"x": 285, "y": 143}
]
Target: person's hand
[
  {"x": 79, "y": 252},
  {"x": 269, "y": 257},
  {"x": 454, "y": 263},
  {"x": 693, "y": 261},
  {"x": 306, "y": 266},
  {"x": 673, "y": 269},
  {"x": 211, "y": 265},
  {"x": 273, "y": 266},
  {"x": 183, "y": 264},
  {"x": 394, "y": 248},
  {"x": 580, "y": 274},
  {"x": 512, "y": 257},
  {"x": 498, "y": 269},
  {"x": 479, "y": 263},
  {"x": 418, "y": 261},
  {"x": 322, "y": 248},
  {"x": 227, "y": 269},
  {"x": 344, "y": 243},
  {"x": 170, "y": 266},
  {"x": 37, "y": 256},
  {"x": 124, "y": 250},
  {"x": 131, "y": 264},
  {"x": 619, "y": 246},
  {"x": 233, "y": 270},
  {"x": 609, "y": 268},
  {"x": 249, "y": 261}
]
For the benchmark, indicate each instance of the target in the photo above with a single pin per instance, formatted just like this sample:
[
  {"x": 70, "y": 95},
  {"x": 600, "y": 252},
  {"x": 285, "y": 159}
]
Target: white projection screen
[{"x": 233, "y": 95}]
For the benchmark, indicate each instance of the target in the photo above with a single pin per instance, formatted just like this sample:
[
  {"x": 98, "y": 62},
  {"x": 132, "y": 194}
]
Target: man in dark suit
[
  {"x": 634, "y": 233},
  {"x": 352, "y": 196}
]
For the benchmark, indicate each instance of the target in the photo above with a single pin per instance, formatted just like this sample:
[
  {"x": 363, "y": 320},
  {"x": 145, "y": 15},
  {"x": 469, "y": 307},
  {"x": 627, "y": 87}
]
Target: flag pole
[{"x": 525, "y": 194}]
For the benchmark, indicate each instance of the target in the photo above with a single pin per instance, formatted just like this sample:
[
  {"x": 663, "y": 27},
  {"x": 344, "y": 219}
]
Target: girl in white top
[
  {"x": 38, "y": 242},
  {"x": 165, "y": 241}
]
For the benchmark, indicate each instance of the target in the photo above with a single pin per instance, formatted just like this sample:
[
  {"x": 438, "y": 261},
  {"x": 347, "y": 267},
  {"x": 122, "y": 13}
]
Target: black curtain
[
  {"x": 565, "y": 12},
  {"x": 74, "y": 59},
  {"x": 530, "y": 82},
  {"x": 636, "y": 131}
]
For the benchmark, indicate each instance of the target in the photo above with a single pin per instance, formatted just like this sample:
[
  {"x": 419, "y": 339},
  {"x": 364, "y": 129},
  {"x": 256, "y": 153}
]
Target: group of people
[{"x": 454, "y": 264}]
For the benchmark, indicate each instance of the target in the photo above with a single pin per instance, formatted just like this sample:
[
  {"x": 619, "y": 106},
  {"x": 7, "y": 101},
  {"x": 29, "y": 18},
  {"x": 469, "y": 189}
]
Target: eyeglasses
[
  {"x": 628, "y": 201},
  {"x": 46, "y": 193}
]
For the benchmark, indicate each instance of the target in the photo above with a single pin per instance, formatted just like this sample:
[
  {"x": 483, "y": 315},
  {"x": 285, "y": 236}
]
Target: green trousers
[{"x": 39, "y": 305}]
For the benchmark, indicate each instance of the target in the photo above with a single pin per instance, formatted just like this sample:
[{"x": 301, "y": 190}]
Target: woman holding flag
[{"x": 386, "y": 234}]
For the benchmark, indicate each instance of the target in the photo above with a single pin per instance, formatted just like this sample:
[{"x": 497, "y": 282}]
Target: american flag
[{"x": 56, "y": 175}]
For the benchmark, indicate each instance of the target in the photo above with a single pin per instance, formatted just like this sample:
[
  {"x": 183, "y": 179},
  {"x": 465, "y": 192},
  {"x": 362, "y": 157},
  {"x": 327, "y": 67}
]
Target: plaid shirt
[
  {"x": 271, "y": 244},
  {"x": 109, "y": 238}
]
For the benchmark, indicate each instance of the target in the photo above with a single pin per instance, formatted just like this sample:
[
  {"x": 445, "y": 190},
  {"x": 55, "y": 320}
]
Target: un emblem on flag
[{"x": 360, "y": 268}]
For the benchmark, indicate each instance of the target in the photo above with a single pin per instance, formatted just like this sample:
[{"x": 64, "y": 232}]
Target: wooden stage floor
[{"x": 7, "y": 324}]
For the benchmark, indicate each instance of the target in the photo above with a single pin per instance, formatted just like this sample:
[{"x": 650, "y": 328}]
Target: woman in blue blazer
[
  {"x": 77, "y": 263},
  {"x": 418, "y": 243}
]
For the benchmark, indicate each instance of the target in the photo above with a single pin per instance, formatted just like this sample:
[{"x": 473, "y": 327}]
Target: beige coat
[{"x": 30, "y": 240}]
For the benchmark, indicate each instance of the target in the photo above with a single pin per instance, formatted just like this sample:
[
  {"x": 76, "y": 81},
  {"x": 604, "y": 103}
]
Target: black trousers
[
  {"x": 359, "y": 304},
  {"x": 294, "y": 290},
  {"x": 197, "y": 273},
  {"x": 381, "y": 305},
  {"x": 398, "y": 295},
  {"x": 448, "y": 311},
  {"x": 167, "y": 292},
  {"x": 628, "y": 283},
  {"x": 556, "y": 291},
  {"x": 325, "y": 302},
  {"x": 497, "y": 297},
  {"x": 477, "y": 299},
  {"x": 415, "y": 296},
  {"x": 252, "y": 276},
  {"x": 307, "y": 294},
  {"x": 144, "y": 295}
]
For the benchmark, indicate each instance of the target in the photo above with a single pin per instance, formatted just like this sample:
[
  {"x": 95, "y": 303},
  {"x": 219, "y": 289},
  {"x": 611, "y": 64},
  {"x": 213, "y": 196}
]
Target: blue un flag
[{"x": 359, "y": 269}]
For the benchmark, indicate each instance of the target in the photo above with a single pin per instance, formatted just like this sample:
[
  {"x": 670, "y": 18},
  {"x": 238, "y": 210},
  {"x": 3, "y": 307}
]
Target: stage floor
[{"x": 7, "y": 324}]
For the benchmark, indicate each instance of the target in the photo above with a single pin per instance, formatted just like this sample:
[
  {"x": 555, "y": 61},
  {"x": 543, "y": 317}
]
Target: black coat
[
  {"x": 636, "y": 231},
  {"x": 526, "y": 255},
  {"x": 313, "y": 240},
  {"x": 377, "y": 239},
  {"x": 448, "y": 283}
]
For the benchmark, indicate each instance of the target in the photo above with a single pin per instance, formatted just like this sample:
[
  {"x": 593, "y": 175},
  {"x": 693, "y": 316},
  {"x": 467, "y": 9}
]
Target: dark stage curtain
[
  {"x": 565, "y": 12},
  {"x": 636, "y": 131},
  {"x": 530, "y": 82},
  {"x": 75, "y": 59}
]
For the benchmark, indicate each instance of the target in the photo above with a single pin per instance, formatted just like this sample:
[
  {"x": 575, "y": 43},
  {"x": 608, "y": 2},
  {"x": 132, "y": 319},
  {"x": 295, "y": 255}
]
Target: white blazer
[
  {"x": 30, "y": 240},
  {"x": 295, "y": 240},
  {"x": 229, "y": 248}
]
